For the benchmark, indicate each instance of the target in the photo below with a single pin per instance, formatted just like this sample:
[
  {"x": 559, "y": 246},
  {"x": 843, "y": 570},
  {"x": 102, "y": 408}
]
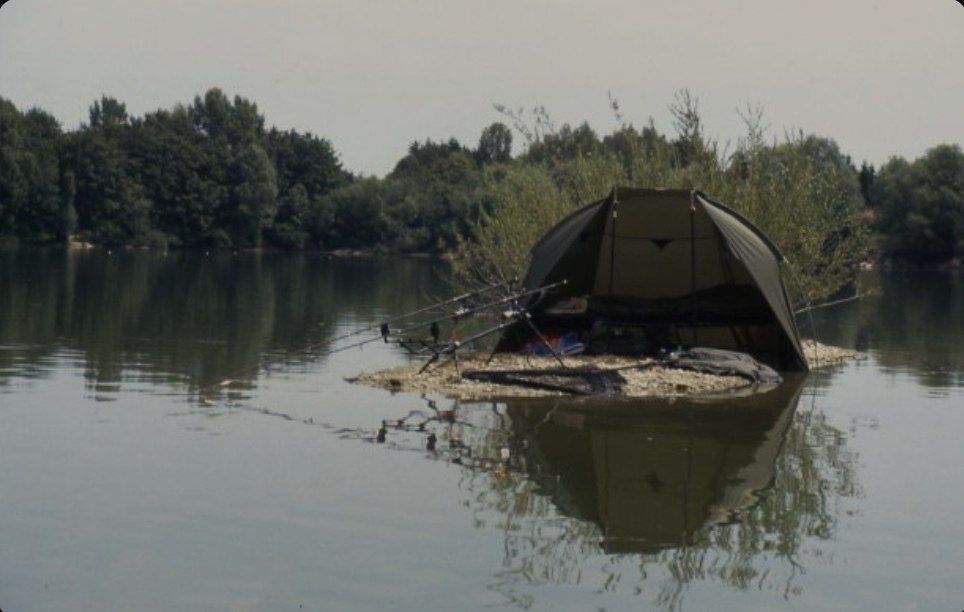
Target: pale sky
[{"x": 371, "y": 76}]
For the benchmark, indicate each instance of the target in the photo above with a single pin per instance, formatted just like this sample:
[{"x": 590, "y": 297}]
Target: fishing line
[
  {"x": 461, "y": 313},
  {"x": 450, "y": 351},
  {"x": 317, "y": 349},
  {"x": 856, "y": 296},
  {"x": 428, "y": 308}
]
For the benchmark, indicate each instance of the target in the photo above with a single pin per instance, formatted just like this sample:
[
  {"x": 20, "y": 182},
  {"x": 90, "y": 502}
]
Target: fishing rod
[
  {"x": 510, "y": 318},
  {"x": 521, "y": 294},
  {"x": 383, "y": 327},
  {"x": 809, "y": 306},
  {"x": 385, "y": 332},
  {"x": 463, "y": 313},
  {"x": 458, "y": 314},
  {"x": 454, "y": 346},
  {"x": 415, "y": 313}
]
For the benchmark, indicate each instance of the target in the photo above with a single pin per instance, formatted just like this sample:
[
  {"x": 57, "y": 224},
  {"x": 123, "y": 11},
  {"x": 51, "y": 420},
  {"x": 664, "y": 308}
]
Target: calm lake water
[{"x": 133, "y": 477}]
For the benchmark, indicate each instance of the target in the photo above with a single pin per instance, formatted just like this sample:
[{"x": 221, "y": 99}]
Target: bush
[{"x": 802, "y": 192}]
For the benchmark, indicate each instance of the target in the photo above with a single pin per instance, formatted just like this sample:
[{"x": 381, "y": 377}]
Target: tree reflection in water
[
  {"x": 739, "y": 491},
  {"x": 185, "y": 320}
]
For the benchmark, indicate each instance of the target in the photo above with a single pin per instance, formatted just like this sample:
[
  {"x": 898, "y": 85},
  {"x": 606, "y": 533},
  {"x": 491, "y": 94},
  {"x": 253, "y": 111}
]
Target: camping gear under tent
[{"x": 649, "y": 270}]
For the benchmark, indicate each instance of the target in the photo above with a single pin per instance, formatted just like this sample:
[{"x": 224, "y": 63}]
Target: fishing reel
[{"x": 515, "y": 313}]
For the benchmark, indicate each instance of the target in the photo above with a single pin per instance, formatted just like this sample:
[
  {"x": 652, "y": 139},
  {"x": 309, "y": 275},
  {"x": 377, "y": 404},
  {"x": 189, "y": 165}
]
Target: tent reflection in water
[
  {"x": 653, "y": 474},
  {"x": 653, "y": 269}
]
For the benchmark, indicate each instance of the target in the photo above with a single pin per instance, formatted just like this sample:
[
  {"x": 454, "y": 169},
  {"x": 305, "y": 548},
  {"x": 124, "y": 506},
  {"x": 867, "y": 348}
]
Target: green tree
[
  {"x": 418, "y": 164},
  {"x": 108, "y": 113},
  {"x": 252, "y": 202},
  {"x": 922, "y": 206},
  {"x": 524, "y": 202},
  {"x": 805, "y": 195},
  {"x": 691, "y": 146},
  {"x": 289, "y": 229},
  {"x": 48, "y": 216},
  {"x": 866, "y": 177},
  {"x": 495, "y": 144},
  {"x": 631, "y": 145},
  {"x": 432, "y": 197},
  {"x": 13, "y": 183},
  {"x": 306, "y": 170},
  {"x": 206, "y": 174},
  {"x": 802, "y": 192},
  {"x": 226, "y": 123},
  {"x": 32, "y": 207},
  {"x": 111, "y": 206},
  {"x": 567, "y": 143},
  {"x": 306, "y": 160},
  {"x": 183, "y": 176},
  {"x": 352, "y": 217}
]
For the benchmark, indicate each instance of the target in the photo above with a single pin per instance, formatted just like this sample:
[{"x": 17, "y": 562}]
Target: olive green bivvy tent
[{"x": 649, "y": 269}]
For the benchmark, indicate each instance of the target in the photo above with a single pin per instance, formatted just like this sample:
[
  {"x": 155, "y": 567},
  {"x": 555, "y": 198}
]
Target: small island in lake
[{"x": 639, "y": 377}]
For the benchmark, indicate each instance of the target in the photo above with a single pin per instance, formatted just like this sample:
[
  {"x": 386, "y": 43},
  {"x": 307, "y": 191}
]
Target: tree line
[
  {"x": 204, "y": 175},
  {"x": 210, "y": 174}
]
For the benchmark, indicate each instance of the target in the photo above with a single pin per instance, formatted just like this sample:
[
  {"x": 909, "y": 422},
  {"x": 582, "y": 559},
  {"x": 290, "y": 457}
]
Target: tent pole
[
  {"x": 693, "y": 262},
  {"x": 612, "y": 242}
]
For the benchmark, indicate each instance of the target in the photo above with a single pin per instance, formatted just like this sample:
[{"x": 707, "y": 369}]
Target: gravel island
[{"x": 639, "y": 377}]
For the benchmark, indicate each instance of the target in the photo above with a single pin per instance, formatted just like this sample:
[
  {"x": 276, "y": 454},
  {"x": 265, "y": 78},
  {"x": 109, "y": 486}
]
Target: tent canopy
[{"x": 652, "y": 269}]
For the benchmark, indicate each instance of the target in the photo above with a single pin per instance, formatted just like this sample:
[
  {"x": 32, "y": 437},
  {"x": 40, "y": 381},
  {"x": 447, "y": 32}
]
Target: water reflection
[
  {"x": 651, "y": 474},
  {"x": 181, "y": 320},
  {"x": 740, "y": 491},
  {"x": 638, "y": 498},
  {"x": 192, "y": 320},
  {"x": 909, "y": 321}
]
